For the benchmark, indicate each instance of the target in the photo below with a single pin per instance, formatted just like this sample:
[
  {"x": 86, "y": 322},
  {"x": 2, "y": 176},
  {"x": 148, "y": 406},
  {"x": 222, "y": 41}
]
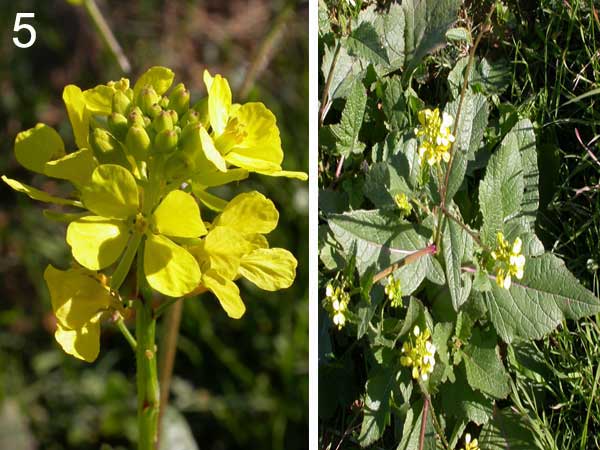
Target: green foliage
[{"x": 471, "y": 268}]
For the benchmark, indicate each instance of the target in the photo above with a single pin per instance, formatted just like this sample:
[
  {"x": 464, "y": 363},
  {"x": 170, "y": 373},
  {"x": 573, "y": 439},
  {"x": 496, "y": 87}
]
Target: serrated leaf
[
  {"x": 346, "y": 71},
  {"x": 507, "y": 431},
  {"x": 377, "y": 404},
  {"x": 537, "y": 304},
  {"x": 394, "y": 103},
  {"x": 501, "y": 190},
  {"x": 485, "y": 371},
  {"x": 364, "y": 42},
  {"x": 380, "y": 241},
  {"x": 471, "y": 126},
  {"x": 457, "y": 248},
  {"x": 412, "y": 430},
  {"x": 346, "y": 132},
  {"x": 382, "y": 183},
  {"x": 366, "y": 310},
  {"x": 406, "y": 161},
  {"x": 426, "y": 24}
]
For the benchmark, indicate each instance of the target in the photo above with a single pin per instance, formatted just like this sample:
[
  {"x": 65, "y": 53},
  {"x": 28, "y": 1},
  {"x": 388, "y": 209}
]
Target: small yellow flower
[
  {"x": 437, "y": 137},
  {"x": 336, "y": 303},
  {"x": 509, "y": 260},
  {"x": 393, "y": 290},
  {"x": 403, "y": 204},
  {"x": 470, "y": 444},
  {"x": 420, "y": 354}
]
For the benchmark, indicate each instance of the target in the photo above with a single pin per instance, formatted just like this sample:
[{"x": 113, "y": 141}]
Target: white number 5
[{"x": 20, "y": 26}]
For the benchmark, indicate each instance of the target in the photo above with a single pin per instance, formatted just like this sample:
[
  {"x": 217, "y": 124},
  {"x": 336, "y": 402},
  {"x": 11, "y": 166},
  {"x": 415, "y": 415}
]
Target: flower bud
[
  {"x": 179, "y": 100},
  {"x": 164, "y": 102},
  {"x": 165, "y": 141},
  {"x": 174, "y": 115},
  {"x": 118, "y": 125},
  {"x": 120, "y": 102},
  {"x": 136, "y": 117},
  {"x": 137, "y": 142},
  {"x": 155, "y": 110},
  {"x": 147, "y": 98},
  {"x": 163, "y": 121},
  {"x": 190, "y": 117}
]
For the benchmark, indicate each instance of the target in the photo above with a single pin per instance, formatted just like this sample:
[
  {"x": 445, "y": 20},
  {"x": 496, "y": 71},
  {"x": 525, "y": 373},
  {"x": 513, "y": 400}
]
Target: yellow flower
[
  {"x": 79, "y": 299},
  {"x": 403, "y": 203},
  {"x": 245, "y": 135},
  {"x": 470, "y": 444},
  {"x": 509, "y": 260},
  {"x": 437, "y": 138},
  {"x": 235, "y": 247},
  {"x": 393, "y": 290},
  {"x": 419, "y": 354},
  {"x": 336, "y": 303}
]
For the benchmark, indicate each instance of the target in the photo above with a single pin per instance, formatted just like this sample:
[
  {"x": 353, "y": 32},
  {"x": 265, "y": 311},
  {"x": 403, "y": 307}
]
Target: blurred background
[{"x": 236, "y": 384}]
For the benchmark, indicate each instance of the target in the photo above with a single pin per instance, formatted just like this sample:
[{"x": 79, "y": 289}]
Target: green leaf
[
  {"x": 394, "y": 103},
  {"x": 347, "y": 130},
  {"x": 412, "y": 430},
  {"x": 38, "y": 145},
  {"x": 426, "y": 24},
  {"x": 537, "y": 304},
  {"x": 507, "y": 430},
  {"x": 381, "y": 241},
  {"x": 378, "y": 389},
  {"x": 461, "y": 402},
  {"x": 501, "y": 190},
  {"x": 485, "y": 371},
  {"x": 76, "y": 167},
  {"x": 382, "y": 183},
  {"x": 471, "y": 126},
  {"x": 459, "y": 34},
  {"x": 346, "y": 71},
  {"x": 112, "y": 192},
  {"x": 160, "y": 78},
  {"x": 457, "y": 248},
  {"x": 36, "y": 194}
]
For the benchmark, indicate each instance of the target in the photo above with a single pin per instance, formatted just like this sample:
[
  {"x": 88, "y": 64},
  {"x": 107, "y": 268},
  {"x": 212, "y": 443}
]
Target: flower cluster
[
  {"x": 403, "y": 204},
  {"x": 509, "y": 260},
  {"x": 419, "y": 354},
  {"x": 336, "y": 303},
  {"x": 437, "y": 137},
  {"x": 393, "y": 290},
  {"x": 470, "y": 444},
  {"x": 145, "y": 163}
]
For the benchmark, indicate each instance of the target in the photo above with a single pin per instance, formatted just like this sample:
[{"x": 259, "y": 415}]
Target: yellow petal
[
  {"x": 83, "y": 343},
  {"x": 262, "y": 139},
  {"x": 208, "y": 79},
  {"x": 225, "y": 248},
  {"x": 227, "y": 292},
  {"x": 219, "y": 104},
  {"x": 78, "y": 114},
  {"x": 38, "y": 145},
  {"x": 256, "y": 241},
  {"x": 178, "y": 215},
  {"x": 36, "y": 194},
  {"x": 211, "y": 201},
  {"x": 212, "y": 178},
  {"x": 76, "y": 167},
  {"x": 210, "y": 152},
  {"x": 160, "y": 78},
  {"x": 270, "y": 268},
  {"x": 169, "y": 268},
  {"x": 97, "y": 242},
  {"x": 112, "y": 192},
  {"x": 285, "y": 173},
  {"x": 77, "y": 296},
  {"x": 249, "y": 213},
  {"x": 252, "y": 164},
  {"x": 98, "y": 100}
]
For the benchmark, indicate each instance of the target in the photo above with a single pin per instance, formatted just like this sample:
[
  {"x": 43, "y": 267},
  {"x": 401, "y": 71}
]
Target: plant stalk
[{"x": 429, "y": 250}]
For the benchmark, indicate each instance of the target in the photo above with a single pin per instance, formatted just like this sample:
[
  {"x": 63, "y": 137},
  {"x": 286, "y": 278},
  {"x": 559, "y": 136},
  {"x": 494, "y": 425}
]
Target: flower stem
[
  {"x": 429, "y": 250},
  {"x": 147, "y": 377},
  {"x": 120, "y": 273},
  {"x": 126, "y": 333}
]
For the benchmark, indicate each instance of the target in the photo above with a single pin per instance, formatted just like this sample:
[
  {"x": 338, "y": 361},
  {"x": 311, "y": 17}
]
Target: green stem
[
  {"x": 120, "y": 273},
  {"x": 126, "y": 333},
  {"x": 147, "y": 376},
  {"x": 107, "y": 35}
]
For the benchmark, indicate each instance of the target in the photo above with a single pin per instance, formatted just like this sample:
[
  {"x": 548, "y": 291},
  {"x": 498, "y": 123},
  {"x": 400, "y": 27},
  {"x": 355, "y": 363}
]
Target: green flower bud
[
  {"x": 136, "y": 117},
  {"x": 163, "y": 121},
  {"x": 202, "y": 108},
  {"x": 106, "y": 147},
  {"x": 155, "y": 110},
  {"x": 179, "y": 100},
  {"x": 165, "y": 141},
  {"x": 174, "y": 115},
  {"x": 164, "y": 102},
  {"x": 137, "y": 142},
  {"x": 147, "y": 121},
  {"x": 190, "y": 117},
  {"x": 118, "y": 125},
  {"x": 147, "y": 98},
  {"x": 178, "y": 165},
  {"x": 120, "y": 102}
]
